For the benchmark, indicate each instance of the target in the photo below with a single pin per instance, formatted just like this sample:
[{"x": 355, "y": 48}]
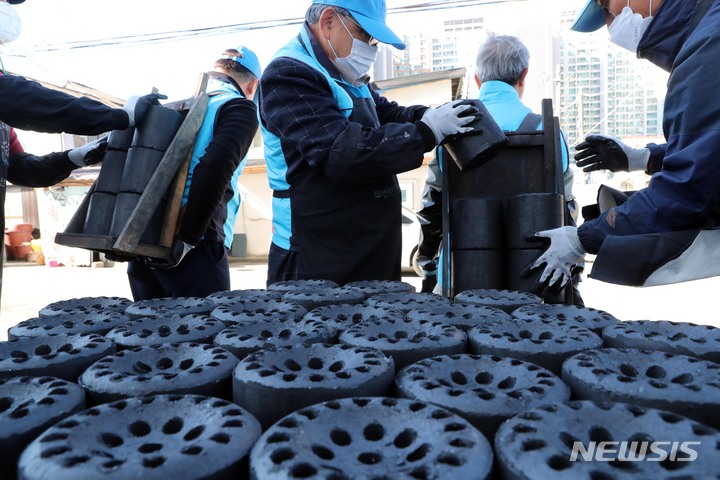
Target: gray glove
[
  {"x": 565, "y": 251},
  {"x": 600, "y": 152},
  {"x": 450, "y": 118},
  {"x": 89, "y": 154},
  {"x": 137, "y": 106}
]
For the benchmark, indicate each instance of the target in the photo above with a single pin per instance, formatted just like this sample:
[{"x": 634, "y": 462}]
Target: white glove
[
  {"x": 137, "y": 106},
  {"x": 445, "y": 120},
  {"x": 88, "y": 154},
  {"x": 603, "y": 152},
  {"x": 564, "y": 252}
]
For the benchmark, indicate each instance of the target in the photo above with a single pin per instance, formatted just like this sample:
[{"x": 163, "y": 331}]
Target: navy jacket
[{"x": 685, "y": 193}]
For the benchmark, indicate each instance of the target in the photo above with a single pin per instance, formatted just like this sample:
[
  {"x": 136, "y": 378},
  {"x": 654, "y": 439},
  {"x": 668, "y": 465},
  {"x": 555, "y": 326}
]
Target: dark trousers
[
  {"x": 283, "y": 265},
  {"x": 286, "y": 265},
  {"x": 203, "y": 271}
]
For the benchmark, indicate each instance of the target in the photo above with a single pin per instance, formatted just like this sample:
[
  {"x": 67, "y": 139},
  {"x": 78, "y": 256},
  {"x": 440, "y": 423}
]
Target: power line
[{"x": 178, "y": 35}]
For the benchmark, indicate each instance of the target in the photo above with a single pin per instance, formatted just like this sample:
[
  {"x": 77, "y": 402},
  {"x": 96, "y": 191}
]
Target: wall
[
  {"x": 255, "y": 216},
  {"x": 57, "y": 205}
]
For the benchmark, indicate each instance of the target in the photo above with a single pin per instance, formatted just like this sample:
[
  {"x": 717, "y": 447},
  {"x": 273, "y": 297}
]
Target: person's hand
[
  {"x": 450, "y": 118},
  {"x": 600, "y": 152},
  {"x": 564, "y": 252},
  {"x": 430, "y": 278},
  {"x": 89, "y": 154},
  {"x": 429, "y": 269},
  {"x": 118, "y": 257},
  {"x": 178, "y": 250},
  {"x": 137, "y": 106}
]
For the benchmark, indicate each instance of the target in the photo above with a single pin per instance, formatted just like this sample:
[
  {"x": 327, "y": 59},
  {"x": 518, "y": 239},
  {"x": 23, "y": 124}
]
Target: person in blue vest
[
  {"x": 333, "y": 147},
  {"x": 501, "y": 69},
  {"x": 639, "y": 238},
  {"x": 198, "y": 264}
]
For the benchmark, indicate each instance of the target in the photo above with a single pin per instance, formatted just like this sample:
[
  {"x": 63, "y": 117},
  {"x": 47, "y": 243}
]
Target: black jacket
[{"x": 28, "y": 105}]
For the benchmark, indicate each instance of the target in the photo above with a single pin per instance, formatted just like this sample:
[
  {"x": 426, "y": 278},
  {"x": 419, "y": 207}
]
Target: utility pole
[{"x": 580, "y": 117}]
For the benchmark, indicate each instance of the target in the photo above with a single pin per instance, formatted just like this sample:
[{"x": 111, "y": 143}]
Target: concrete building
[{"x": 450, "y": 39}]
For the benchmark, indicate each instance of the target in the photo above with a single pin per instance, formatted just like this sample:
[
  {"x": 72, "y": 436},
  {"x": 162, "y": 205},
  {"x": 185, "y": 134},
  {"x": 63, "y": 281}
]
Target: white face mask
[
  {"x": 10, "y": 24},
  {"x": 358, "y": 62},
  {"x": 627, "y": 29}
]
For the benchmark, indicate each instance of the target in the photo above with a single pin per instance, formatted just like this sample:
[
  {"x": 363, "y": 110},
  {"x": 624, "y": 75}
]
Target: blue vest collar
[{"x": 219, "y": 82}]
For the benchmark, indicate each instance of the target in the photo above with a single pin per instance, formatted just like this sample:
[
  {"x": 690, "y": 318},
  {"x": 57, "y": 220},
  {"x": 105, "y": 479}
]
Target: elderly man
[
  {"x": 333, "y": 147},
  {"x": 198, "y": 264},
  {"x": 639, "y": 241},
  {"x": 501, "y": 69}
]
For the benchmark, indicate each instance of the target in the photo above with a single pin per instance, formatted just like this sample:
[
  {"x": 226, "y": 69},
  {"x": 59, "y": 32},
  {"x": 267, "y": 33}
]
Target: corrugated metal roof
[{"x": 399, "y": 82}]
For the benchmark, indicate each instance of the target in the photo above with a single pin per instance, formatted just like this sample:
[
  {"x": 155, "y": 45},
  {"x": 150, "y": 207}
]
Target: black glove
[
  {"x": 137, "y": 106},
  {"x": 178, "y": 250},
  {"x": 119, "y": 257},
  {"x": 89, "y": 154},
  {"x": 603, "y": 152},
  {"x": 429, "y": 269},
  {"x": 428, "y": 283}
]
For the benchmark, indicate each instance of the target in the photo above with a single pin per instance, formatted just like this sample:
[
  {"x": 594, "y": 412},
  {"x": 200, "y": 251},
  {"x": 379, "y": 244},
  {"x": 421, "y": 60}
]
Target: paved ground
[{"x": 28, "y": 287}]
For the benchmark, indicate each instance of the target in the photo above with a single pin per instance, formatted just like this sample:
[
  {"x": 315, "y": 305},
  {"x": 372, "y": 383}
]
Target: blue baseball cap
[
  {"x": 592, "y": 18},
  {"x": 370, "y": 14},
  {"x": 247, "y": 59}
]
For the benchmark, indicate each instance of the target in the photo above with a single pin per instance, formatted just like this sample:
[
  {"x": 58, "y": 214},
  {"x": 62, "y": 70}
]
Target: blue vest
[
  {"x": 503, "y": 103},
  {"x": 220, "y": 93},
  {"x": 274, "y": 156}
]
